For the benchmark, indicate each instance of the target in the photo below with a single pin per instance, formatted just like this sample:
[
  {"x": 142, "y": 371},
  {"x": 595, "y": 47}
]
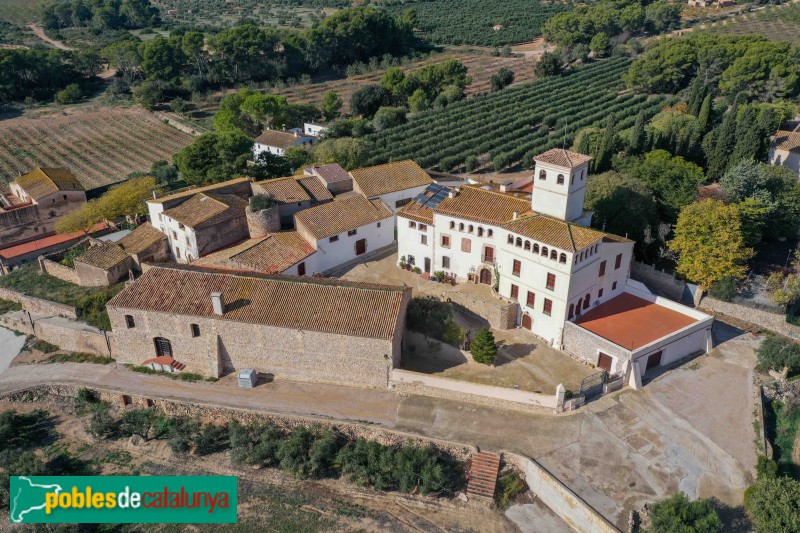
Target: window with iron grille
[
  {"x": 548, "y": 307},
  {"x": 551, "y": 281},
  {"x": 517, "y": 267},
  {"x": 514, "y": 292}
]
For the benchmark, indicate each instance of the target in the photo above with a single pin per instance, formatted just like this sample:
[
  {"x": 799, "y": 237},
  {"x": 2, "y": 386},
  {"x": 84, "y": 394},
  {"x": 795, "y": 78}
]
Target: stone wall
[
  {"x": 261, "y": 223},
  {"x": 665, "y": 283},
  {"x": 499, "y": 313},
  {"x": 37, "y": 305},
  {"x": 584, "y": 346},
  {"x": 68, "y": 335},
  {"x": 443, "y": 351},
  {"x": 418, "y": 383},
  {"x": 763, "y": 319},
  {"x": 57, "y": 270},
  {"x": 225, "y": 346},
  {"x": 578, "y": 514},
  {"x": 92, "y": 276},
  {"x": 209, "y": 413}
]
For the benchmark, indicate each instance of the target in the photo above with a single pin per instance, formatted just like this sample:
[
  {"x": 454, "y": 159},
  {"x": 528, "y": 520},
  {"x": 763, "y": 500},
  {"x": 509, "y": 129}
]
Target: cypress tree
[
  {"x": 606, "y": 147},
  {"x": 638, "y": 138},
  {"x": 696, "y": 92},
  {"x": 726, "y": 143},
  {"x": 748, "y": 137},
  {"x": 484, "y": 347},
  {"x": 705, "y": 113}
]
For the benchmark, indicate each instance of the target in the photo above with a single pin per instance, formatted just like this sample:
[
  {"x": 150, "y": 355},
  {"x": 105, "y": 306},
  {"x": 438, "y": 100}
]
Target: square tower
[{"x": 559, "y": 184}]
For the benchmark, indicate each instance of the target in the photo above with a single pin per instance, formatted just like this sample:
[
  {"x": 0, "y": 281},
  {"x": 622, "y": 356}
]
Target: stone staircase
[{"x": 483, "y": 470}]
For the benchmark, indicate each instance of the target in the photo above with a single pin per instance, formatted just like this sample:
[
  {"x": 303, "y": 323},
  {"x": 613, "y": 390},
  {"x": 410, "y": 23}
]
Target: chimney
[
  {"x": 296, "y": 134},
  {"x": 515, "y": 215},
  {"x": 217, "y": 303},
  {"x": 452, "y": 193},
  {"x": 155, "y": 195}
]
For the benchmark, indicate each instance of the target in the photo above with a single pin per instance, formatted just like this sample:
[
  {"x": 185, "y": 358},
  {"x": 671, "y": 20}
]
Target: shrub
[
  {"x": 182, "y": 434},
  {"x": 146, "y": 423},
  {"x": 434, "y": 318},
  {"x": 725, "y": 289},
  {"x": 80, "y": 357},
  {"x": 502, "y": 79},
  {"x": 254, "y": 444},
  {"x": 86, "y": 399},
  {"x": 92, "y": 309},
  {"x": 774, "y": 504},
  {"x": 509, "y": 486},
  {"x": 259, "y": 202},
  {"x": 766, "y": 467},
  {"x": 293, "y": 452},
  {"x": 679, "y": 514},
  {"x": 368, "y": 463},
  {"x": 322, "y": 455},
  {"x": 210, "y": 439},
  {"x": 39, "y": 345},
  {"x": 20, "y": 431},
  {"x": 484, "y": 347},
  {"x": 103, "y": 425},
  {"x": 776, "y": 352},
  {"x": 69, "y": 95}
]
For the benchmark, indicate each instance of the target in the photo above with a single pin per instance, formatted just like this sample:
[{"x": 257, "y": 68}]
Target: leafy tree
[
  {"x": 418, "y": 101},
  {"x": 434, "y": 318},
  {"x": 254, "y": 444},
  {"x": 164, "y": 173},
  {"x": 549, "y": 65},
  {"x": 70, "y": 94},
  {"x": 349, "y": 127},
  {"x": 388, "y": 117},
  {"x": 293, "y": 453},
  {"x": 128, "y": 199},
  {"x": 776, "y": 352},
  {"x": 162, "y": 59},
  {"x": 297, "y": 157},
  {"x": 260, "y": 109},
  {"x": 502, "y": 79},
  {"x": 661, "y": 17},
  {"x": 622, "y": 205},
  {"x": 782, "y": 289},
  {"x": 484, "y": 347},
  {"x": 677, "y": 513},
  {"x": 710, "y": 243},
  {"x": 145, "y": 423},
  {"x": 368, "y": 99},
  {"x": 38, "y": 74},
  {"x": 331, "y": 105},
  {"x": 348, "y": 152},
  {"x": 774, "y": 504},
  {"x": 214, "y": 157},
  {"x": 269, "y": 166},
  {"x": 245, "y": 52},
  {"x": 599, "y": 44}
]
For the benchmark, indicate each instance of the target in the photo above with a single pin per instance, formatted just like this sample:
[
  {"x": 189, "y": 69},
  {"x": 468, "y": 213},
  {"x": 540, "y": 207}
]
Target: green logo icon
[{"x": 123, "y": 499}]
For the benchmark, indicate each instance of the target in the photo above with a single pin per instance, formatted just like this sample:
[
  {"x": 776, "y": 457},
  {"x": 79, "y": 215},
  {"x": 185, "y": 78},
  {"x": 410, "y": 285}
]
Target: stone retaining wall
[
  {"x": 498, "y": 313},
  {"x": 37, "y": 305},
  {"x": 57, "y": 270},
  {"x": 210, "y": 413},
  {"x": 451, "y": 389},
  {"x": 578, "y": 514},
  {"x": 76, "y": 337},
  {"x": 660, "y": 280},
  {"x": 771, "y": 321}
]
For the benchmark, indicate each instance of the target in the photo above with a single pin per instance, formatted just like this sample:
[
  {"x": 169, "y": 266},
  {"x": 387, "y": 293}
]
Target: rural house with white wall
[
  {"x": 276, "y": 142},
  {"x": 541, "y": 254},
  {"x": 784, "y": 150},
  {"x": 395, "y": 183}
]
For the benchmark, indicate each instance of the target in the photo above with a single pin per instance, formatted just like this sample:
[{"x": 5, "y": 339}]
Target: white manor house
[{"x": 571, "y": 281}]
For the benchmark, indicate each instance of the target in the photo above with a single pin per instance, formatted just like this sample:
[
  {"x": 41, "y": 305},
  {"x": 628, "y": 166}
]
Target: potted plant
[
  {"x": 417, "y": 270},
  {"x": 403, "y": 261}
]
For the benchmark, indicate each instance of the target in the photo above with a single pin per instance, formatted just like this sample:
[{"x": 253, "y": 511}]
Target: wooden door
[
  {"x": 488, "y": 255},
  {"x": 486, "y": 276},
  {"x": 527, "y": 322},
  {"x": 361, "y": 246},
  {"x": 428, "y": 265},
  {"x": 301, "y": 269},
  {"x": 653, "y": 361},
  {"x": 604, "y": 362}
]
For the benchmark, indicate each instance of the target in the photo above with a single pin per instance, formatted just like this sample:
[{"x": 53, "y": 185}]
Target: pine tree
[
  {"x": 604, "y": 151},
  {"x": 638, "y": 138},
  {"x": 726, "y": 142},
  {"x": 484, "y": 347},
  {"x": 705, "y": 113}
]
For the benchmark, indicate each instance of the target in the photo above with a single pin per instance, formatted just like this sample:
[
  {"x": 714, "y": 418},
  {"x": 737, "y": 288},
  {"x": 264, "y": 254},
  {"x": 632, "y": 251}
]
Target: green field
[
  {"x": 480, "y": 22},
  {"x": 20, "y": 11},
  {"x": 777, "y": 23},
  {"x": 216, "y": 14},
  {"x": 517, "y": 123}
]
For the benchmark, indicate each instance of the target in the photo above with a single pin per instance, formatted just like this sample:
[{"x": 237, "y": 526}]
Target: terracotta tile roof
[
  {"x": 194, "y": 190},
  {"x": 315, "y": 188},
  {"x": 557, "y": 233},
  {"x": 140, "y": 239},
  {"x": 416, "y": 212},
  {"x": 562, "y": 158},
  {"x": 391, "y": 177},
  {"x": 204, "y": 207},
  {"x": 164, "y": 360},
  {"x": 342, "y": 215},
  {"x": 303, "y": 303},
  {"x": 481, "y": 205},
  {"x": 41, "y": 182},
  {"x": 788, "y": 141},
  {"x": 285, "y": 190},
  {"x": 278, "y": 139},
  {"x": 633, "y": 322},
  {"x": 105, "y": 255},
  {"x": 268, "y": 255},
  {"x": 332, "y": 173},
  {"x": 46, "y": 242}
]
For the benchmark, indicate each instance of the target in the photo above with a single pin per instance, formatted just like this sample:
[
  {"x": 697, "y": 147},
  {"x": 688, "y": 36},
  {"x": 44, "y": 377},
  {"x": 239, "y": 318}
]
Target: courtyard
[{"x": 523, "y": 362}]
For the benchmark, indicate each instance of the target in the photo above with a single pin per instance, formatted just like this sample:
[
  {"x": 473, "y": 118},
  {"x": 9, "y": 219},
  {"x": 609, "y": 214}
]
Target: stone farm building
[
  {"x": 785, "y": 150},
  {"x": 215, "y": 323},
  {"x": 571, "y": 282}
]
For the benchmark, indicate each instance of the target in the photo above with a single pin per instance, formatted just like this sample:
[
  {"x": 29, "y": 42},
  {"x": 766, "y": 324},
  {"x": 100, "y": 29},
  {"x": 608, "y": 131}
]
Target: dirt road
[{"x": 39, "y": 31}]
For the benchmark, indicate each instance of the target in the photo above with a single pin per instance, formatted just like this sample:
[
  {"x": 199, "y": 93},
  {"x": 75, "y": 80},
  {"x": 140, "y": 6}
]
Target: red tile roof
[
  {"x": 562, "y": 158},
  {"x": 633, "y": 322},
  {"x": 46, "y": 242},
  {"x": 332, "y": 173},
  {"x": 302, "y": 303},
  {"x": 268, "y": 255},
  {"x": 165, "y": 361}
]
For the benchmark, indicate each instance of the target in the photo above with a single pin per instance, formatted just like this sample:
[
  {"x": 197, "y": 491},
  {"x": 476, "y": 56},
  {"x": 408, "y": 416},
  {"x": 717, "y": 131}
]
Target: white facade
[
  {"x": 348, "y": 246},
  {"x": 559, "y": 191},
  {"x": 309, "y": 128},
  {"x": 181, "y": 238},
  {"x": 302, "y": 140}
]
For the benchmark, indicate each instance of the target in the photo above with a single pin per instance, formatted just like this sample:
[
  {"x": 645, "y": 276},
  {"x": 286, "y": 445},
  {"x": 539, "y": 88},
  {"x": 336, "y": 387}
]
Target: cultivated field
[
  {"x": 777, "y": 23},
  {"x": 20, "y": 10},
  {"x": 226, "y": 13},
  {"x": 519, "y": 122},
  {"x": 479, "y": 22},
  {"x": 100, "y": 147}
]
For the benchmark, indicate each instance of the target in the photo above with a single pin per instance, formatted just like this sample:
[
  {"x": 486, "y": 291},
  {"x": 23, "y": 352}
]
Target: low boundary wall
[
  {"x": 578, "y": 514},
  {"x": 57, "y": 270},
  {"x": 37, "y": 305},
  {"x": 497, "y": 312},
  {"x": 659, "y": 280},
  {"x": 771, "y": 321},
  {"x": 452, "y": 389},
  {"x": 68, "y": 335}
]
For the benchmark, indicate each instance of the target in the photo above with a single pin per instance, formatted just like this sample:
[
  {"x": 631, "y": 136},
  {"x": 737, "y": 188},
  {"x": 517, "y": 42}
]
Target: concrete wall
[
  {"x": 582, "y": 517},
  {"x": 659, "y": 280},
  {"x": 462, "y": 390},
  {"x": 57, "y": 270},
  {"x": 37, "y": 305},
  {"x": 225, "y": 346}
]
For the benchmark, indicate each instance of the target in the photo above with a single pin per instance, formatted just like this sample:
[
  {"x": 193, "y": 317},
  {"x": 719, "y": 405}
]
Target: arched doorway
[
  {"x": 486, "y": 276},
  {"x": 527, "y": 322},
  {"x": 163, "y": 347}
]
